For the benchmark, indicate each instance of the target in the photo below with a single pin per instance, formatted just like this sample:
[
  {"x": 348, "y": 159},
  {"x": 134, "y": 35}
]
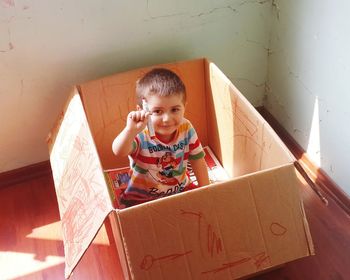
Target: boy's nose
[{"x": 166, "y": 117}]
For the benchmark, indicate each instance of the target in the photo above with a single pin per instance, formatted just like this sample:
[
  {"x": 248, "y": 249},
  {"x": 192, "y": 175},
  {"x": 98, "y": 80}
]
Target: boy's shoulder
[
  {"x": 186, "y": 123},
  {"x": 185, "y": 126}
]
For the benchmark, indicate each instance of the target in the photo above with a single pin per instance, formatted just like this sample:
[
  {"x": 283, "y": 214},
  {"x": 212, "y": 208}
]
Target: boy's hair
[{"x": 161, "y": 82}]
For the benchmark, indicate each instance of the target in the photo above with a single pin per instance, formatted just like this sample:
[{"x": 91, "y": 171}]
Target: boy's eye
[
  {"x": 157, "y": 112},
  {"x": 175, "y": 110}
]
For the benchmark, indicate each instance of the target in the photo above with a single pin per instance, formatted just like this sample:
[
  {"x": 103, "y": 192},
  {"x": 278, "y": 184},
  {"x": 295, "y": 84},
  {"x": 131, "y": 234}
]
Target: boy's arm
[
  {"x": 136, "y": 122},
  {"x": 122, "y": 144},
  {"x": 200, "y": 171}
]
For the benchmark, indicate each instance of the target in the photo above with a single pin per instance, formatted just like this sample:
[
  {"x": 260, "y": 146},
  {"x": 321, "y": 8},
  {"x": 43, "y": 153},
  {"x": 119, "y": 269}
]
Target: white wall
[
  {"x": 309, "y": 70},
  {"x": 48, "y": 46}
]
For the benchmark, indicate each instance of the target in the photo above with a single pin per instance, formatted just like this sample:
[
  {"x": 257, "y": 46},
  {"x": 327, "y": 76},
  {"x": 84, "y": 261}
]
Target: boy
[{"x": 159, "y": 160}]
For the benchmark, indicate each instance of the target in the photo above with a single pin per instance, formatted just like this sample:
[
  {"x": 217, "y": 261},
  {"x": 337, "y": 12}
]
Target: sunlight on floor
[
  {"x": 48, "y": 232},
  {"x": 20, "y": 264},
  {"x": 53, "y": 232},
  {"x": 314, "y": 145}
]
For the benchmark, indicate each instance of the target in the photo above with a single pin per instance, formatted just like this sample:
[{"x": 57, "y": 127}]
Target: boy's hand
[
  {"x": 135, "y": 123},
  {"x": 137, "y": 120}
]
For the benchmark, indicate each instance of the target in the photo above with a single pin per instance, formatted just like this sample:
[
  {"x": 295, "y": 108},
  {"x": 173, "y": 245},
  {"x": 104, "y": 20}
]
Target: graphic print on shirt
[{"x": 168, "y": 165}]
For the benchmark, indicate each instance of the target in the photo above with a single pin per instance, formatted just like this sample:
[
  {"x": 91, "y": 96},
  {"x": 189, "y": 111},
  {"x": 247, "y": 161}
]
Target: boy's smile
[{"x": 167, "y": 114}]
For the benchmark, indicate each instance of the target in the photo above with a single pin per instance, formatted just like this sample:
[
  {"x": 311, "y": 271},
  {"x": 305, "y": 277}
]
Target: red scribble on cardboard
[
  {"x": 149, "y": 260},
  {"x": 8, "y": 3},
  {"x": 258, "y": 259},
  {"x": 198, "y": 215},
  {"x": 227, "y": 266},
  {"x": 211, "y": 239},
  {"x": 9, "y": 46},
  {"x": 244, "y": 119},
  {"x": 75, "y": 225},
  {"x": 277, "y": 229}
]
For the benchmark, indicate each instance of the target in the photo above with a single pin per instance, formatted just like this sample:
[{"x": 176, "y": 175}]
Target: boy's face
[{"x": 167, "y": 114}]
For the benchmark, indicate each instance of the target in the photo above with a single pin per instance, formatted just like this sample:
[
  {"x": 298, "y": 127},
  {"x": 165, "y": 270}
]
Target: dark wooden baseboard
[
  {"x": 316, "y": 174},
  {"x": 24, "y": 174}
]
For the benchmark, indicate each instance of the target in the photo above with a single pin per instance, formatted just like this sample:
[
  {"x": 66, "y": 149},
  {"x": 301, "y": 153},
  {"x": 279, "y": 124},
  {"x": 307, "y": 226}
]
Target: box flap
[
  {"x": 223, "y": 231},
  {"x": 242, "y": 140},
  {"x": 81, "y": 190}
]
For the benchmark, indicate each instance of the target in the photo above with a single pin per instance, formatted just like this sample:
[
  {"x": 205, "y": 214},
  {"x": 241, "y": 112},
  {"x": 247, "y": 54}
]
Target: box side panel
[
  {"x": 81, "y": 190},
  {"x": 108, "y": 101},
  {"x": 223, "y": 231},
  {"x": 281, "y": 214},
  {"x": 238, "y": 135},
  {"x": 114, "y": 220}
]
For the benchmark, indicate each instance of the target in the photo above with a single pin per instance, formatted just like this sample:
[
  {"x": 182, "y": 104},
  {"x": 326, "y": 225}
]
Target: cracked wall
[
  {"x": 48, "y": 46},
  {"x": 308, "y": 80}
]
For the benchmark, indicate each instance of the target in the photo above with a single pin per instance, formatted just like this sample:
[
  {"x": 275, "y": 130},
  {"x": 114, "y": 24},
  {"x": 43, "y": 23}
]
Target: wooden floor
[
  {"x": 31, "y": 245},
  {"x": 30, "y": 237}
]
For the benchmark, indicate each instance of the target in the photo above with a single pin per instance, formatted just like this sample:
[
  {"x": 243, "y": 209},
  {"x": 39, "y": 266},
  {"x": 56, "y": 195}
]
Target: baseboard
[
  {"x": 318, "y": 176},
  {"x": 24, "y": 174}
]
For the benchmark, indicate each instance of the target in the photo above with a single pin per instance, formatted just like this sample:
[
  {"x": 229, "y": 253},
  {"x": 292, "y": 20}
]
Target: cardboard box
[{"x": 250, "y": 223}]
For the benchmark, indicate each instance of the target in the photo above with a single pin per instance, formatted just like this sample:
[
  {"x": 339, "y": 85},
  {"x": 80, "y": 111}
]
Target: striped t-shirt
[{"x": 158, "y": 168}]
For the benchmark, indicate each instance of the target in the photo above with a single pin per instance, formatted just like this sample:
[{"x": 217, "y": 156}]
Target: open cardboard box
[{"x": 250, "y": 223}]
